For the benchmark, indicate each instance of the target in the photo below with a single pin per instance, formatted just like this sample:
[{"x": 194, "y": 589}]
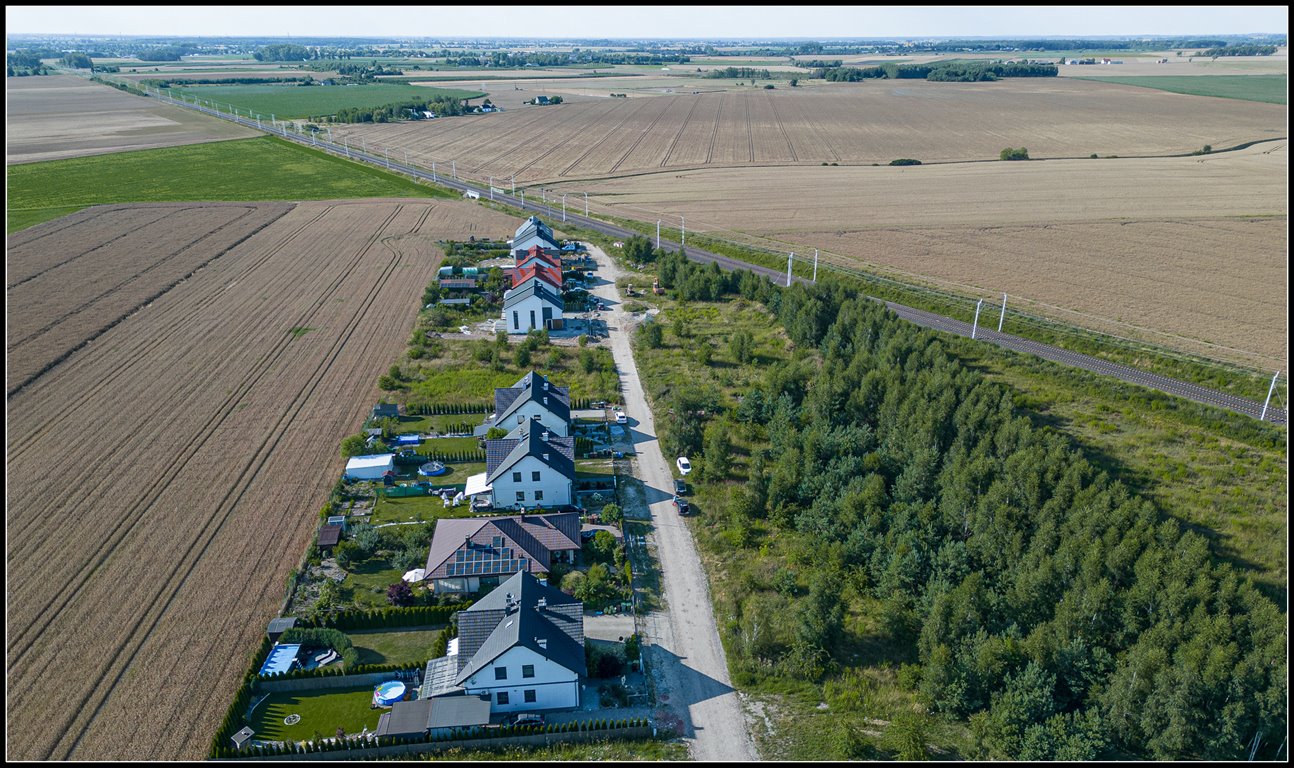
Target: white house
[
  {"x": 530, "y": 306},
  {"x": 533, "y": 398},
  {"x": 523, "y": 646},
  {"x": 534, "y": 469},
  {"x": 371, "y": 467},
  {"x": 533, "y": 232}
]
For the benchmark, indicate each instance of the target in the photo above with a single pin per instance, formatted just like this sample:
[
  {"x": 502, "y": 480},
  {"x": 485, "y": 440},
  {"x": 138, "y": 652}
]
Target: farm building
[
  {"x": 533, "y": 232},
  {"x": 531, "y": 306},
  {"x": 470, "y": 553},
  {"x": 441, "y": 716},
  {"x": 371, "y": 467},
  {"x": 530, "y": 467},
  {"x": 522, "y": 645},
  {"x": 278, "y": 626}
]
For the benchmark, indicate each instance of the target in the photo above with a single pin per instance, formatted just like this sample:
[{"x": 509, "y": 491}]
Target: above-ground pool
[
  {"x": 282, "y": 659},
  {"x": 432, "y": 468},
  {"x": 388, "y": 693}
]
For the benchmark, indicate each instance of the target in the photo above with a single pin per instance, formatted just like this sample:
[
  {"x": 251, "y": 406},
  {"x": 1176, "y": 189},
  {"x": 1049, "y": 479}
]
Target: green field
[
  {"x": 390, "y": 647},
  {"x": 322, "y": 713},
  {"x": 294, "y": 101},
  {"x": 246, "y": 169},
  {"x": 1267, "y": 88}
]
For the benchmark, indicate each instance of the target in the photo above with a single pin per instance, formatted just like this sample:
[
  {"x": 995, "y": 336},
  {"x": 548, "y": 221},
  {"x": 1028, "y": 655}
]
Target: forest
[
  {"x": 959, "y": 71},
  {"x": 1018, "y": 587}
]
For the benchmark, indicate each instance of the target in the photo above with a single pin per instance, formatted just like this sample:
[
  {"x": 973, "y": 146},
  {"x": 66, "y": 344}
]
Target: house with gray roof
[
  {"x": 533, "y": 232},
  {"x": 534, "y": 397},
  {"x": 441, "y": 716},
  {"x": 522, "y": 645},
  {"x": 470, "y": 553},
  {"x": 531, "y": 467},
  {"x": 531, "y": 306}
]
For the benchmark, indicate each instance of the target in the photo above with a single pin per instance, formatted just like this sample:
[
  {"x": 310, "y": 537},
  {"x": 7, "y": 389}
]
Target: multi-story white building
[{"x": 531, "y": 306}]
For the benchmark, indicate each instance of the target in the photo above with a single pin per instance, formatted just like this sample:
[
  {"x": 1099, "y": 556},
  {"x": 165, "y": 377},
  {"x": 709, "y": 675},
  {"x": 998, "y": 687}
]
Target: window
[
  {"x": 521, "y": 495},
  {"x": 532, "y": 318},
  {"x": 530, "y": 697},
  {"x": 500, "y": 673},
  {"x": 503, "y": 698},
  {"x": 516, "y": 477},
  {"x": 548, "y": 314},
  {"x": 539, "y": 495},
  {"x": 521, "y": 419},
  {"x": 527, "y": 670},
  {"x": 516, "y": 321},
  {"x": 533, "y": 476}
]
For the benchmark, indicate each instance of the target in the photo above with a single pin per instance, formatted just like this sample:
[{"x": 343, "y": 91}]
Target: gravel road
[{"x": 682, "y": 641}]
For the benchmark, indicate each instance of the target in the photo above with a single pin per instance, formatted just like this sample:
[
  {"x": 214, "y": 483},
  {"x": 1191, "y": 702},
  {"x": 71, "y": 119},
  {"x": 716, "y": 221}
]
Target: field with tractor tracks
[{"x": 164, "y": 476}]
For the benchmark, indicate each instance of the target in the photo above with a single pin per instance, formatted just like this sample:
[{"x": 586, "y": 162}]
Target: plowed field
[
  {"x": 164, "y": 479},
  {"x": 58, "y": 116},
  {"x": 853, "y": 123}
]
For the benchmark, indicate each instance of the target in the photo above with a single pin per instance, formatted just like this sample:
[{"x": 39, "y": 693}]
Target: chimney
[
  {"x": 543, "y": 642},
  {"x": 467, "y": 541},
  {"x": 545, "y": 436},
  {"x": 545, "y": 399},
  {"x": 545, "y": 457},
  {"x": 545, "y": 385},
  {"x": 543, "y": 603}
]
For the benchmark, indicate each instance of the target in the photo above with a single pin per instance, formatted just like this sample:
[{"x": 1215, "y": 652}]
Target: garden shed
[{"x": 370, "y": 467}]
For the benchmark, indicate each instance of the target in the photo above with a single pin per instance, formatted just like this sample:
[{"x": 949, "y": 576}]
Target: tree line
[
  {"x": 1054, "y": 608},
  {"x": 403, "y": 110},
  {"x": 740, "y": 73},
  {"x": 1239, "y": 50},
  {"x": 947, "y": 71}
]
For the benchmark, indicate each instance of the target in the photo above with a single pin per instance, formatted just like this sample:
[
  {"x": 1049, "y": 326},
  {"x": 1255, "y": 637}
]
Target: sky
[{"x": 644, "y": 21}]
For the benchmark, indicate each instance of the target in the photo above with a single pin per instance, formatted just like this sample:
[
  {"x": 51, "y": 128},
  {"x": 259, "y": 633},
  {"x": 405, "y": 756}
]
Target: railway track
[{"x": 920, "y": 317}]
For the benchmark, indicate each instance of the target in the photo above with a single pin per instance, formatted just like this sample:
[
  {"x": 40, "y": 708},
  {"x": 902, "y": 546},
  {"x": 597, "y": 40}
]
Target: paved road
[
  {"x": 927, "y": 319},
  {"x": 682, "y": 641}
]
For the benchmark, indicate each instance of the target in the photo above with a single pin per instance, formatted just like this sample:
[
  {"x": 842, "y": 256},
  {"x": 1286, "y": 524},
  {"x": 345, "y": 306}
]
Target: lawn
[
  {"x": 366, "y": 583},
  {"x": 322, "y": 713},
  {"x": 458, "y": 374},
  {"x": 394, "y": 647},
  {"x": 294, "y": 101},
  {"x": 439, "y": 423},
  {"x": 1267, "y": 88},
  {"x": 427, "y": 508},
  {"x": 444, "y": 445},
  {"x": 264, "y": 168}
]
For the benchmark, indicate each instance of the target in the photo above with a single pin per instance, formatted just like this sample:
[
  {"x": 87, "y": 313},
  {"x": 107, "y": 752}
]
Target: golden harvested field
[
  {"x": 57, "y": 116},
  {"x": 850, "y": 123},
  {"x": 165, "y": 479},
  {"x": 1185, "y": 252}
]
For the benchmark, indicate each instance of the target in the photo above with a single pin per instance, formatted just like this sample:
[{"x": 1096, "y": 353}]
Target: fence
[
  {"x": 437, "y": 409},
  {"x": 324, "y": 683},
  {"x": 528, "y": 740}
]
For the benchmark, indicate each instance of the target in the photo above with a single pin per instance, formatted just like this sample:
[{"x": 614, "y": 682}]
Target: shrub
[
  {"x": 1014, "y": 154},
  {"x": 905, "y": 161},
  {"x": 400, "y": 593}
]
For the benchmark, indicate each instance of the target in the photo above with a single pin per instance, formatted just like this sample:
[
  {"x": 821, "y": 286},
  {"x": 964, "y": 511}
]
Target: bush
[
  {"x": 905, "y": 161},
  {"x": 652, "y": 335},
  {"x": 1014, "y": 154},
  {"x": 400, "y": 593},
  {"x": 611, "y": 513}
]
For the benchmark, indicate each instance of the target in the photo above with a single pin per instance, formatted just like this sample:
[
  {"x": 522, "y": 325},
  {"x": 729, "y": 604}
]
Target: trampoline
[
  {"x": 388, "y": 693},
  {"x": 432, "y": 469}
]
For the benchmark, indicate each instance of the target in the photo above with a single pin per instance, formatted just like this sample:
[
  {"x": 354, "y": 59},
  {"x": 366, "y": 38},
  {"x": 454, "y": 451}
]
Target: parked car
[
  {"x": 621, "y": 418},
  {"x": 525, "y": 718},
  {"x": 680, "y": 488},
  {"x": 684, "y": 466},
  {"x": 682, "y": 506}
]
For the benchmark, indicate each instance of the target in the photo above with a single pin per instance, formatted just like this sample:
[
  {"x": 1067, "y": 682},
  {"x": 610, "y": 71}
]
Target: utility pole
[
  {"x": 563, "y": 207},
  {"x": 433, "y": 170},
  {"x": 658, "y": 234},
  {"x": 586, "y": 205},
  {"x": 815, "y": 266},
  {"x": 346, "y": 146},
  {"x": 453, "y": 166},
  {"x": 514, "y": 183},
  {"x": 788, "y": 268},
  {"x": 491, "y": 188},
  {"x": 682, "y": 231},
  {"x": 406, "y": 157},
  {"x": 1270, "y": 390},
  {"x": 387, "y": 153},
  {"x": 975, "y": 326},
  {"x": 1002, "y": 317},
  {"x": 523, "y": 199}
]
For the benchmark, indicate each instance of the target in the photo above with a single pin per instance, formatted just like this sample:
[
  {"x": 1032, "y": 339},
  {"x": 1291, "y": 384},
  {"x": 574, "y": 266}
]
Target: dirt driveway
[{"x": 682, "y": 641}]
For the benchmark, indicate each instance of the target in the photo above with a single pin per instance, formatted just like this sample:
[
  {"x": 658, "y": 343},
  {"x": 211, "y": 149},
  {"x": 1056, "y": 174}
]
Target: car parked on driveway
[
  {"x": 684, "y": 466},
  {"x": 680, "y": 488},
  {"x": 682, "y": 505},
  {"x": 525, "y": 718},
  {"x": 622, "y": 417}
]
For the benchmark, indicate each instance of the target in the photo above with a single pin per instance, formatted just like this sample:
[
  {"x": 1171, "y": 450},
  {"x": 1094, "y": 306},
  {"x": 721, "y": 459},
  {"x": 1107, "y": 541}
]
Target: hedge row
[
  {"x": 459, "y": 456},
  {"x": 359, "y": 743},
  {"x": 383, "y": 618},
  {"x": 333, "y": 670},
  {"x": 436, "y": 409}
]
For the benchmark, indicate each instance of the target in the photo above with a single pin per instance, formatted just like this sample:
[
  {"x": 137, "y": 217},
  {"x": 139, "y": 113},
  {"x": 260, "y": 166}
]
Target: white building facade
[
  {"x": 532, "y": 482},
  {"x": 530, "y": 306},
  {"x": 521, "y": 680}
]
